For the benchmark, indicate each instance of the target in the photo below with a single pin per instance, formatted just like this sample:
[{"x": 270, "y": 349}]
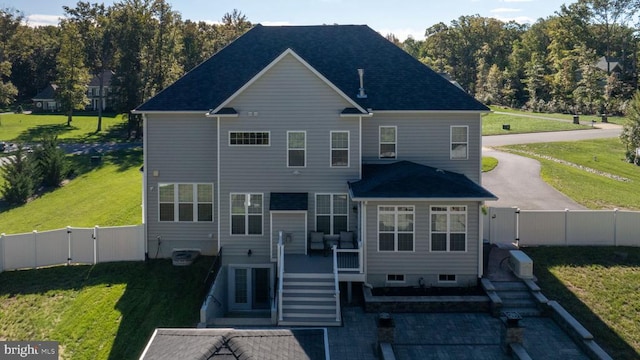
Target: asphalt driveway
[{"x": 516, "y": 180}]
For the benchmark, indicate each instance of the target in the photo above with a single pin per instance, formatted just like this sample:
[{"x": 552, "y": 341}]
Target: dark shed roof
[
  {"x": 405, "y": 179},
  {"x": 192, "y": 344},
  {"x": 393, "y": 79}
]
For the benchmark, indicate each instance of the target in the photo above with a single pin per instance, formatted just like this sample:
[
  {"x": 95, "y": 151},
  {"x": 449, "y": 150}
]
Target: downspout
[
  {"x": 145, "y": 170},
  {"x": 360, "y": 147},
  {"x": 480, "y": 241},
  {"x": 218, "y": 177},
  {"x": 364, "y": 239}
]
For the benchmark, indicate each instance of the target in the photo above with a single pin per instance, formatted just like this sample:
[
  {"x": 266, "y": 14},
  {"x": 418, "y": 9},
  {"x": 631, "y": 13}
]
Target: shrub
[
  {"x": 19, "y": 175},
  {"x": 51, "y": 162}
]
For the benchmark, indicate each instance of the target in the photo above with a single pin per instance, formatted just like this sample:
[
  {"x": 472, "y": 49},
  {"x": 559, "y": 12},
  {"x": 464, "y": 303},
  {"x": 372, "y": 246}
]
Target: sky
[{"x": 403, "y": 18}]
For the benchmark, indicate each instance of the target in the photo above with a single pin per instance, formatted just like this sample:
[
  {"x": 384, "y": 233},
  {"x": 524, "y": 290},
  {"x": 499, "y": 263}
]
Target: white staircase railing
[
  {"x": 335, "y": 280},
  {"x": 280, "y": 265}
]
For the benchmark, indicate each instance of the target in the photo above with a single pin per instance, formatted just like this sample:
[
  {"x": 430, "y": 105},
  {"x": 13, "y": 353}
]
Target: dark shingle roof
[
  {"x": 393, "y": 80},
  {"x": 48, "y": 93},
  {"x": 107, "y": 75},
  {"x": 225, "y": 344},
  {"x": 405, "y": 179},
  {"x": 288, "y": 201}
]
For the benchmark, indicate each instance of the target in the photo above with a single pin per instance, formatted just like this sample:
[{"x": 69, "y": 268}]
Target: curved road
[{"x": 516, "y": 180}]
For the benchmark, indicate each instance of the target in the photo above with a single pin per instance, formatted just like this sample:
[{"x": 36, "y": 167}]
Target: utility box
[{"x": 521, "y": 264}]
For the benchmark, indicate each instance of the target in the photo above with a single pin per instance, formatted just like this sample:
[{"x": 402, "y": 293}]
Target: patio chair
[
  {"x": 316, "y": 241},
  {"x": 347, "y": 240}
]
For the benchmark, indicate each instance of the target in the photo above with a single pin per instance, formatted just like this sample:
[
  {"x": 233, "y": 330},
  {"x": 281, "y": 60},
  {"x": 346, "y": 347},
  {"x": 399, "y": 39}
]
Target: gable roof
[
  {"x": 393, "y": 79},
  {"x": 48, "y": 93},
  {"x": 234, "y": 344},
  {"x": 107, "y": 75},
  {"x": 408, "y": 180}
]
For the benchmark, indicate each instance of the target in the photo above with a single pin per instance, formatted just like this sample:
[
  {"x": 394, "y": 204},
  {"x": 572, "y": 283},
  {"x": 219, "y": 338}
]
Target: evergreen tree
[
  {"x": 19, "y": 175},
  {"x": 50, "y": 162}
]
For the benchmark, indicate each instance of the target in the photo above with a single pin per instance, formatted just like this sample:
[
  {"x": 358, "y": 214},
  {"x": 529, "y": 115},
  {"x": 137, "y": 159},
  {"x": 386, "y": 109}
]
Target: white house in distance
[{"x": 309, "y": 156}]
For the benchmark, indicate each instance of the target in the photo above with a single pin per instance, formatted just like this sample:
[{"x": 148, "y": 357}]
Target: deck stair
[
  {"x": 309, "y": 300},
  {"x": 516, "y": 297}
]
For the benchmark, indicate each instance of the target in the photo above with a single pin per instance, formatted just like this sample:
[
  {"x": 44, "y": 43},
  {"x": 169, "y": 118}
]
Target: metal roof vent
[{"x": 361, "y": 93}]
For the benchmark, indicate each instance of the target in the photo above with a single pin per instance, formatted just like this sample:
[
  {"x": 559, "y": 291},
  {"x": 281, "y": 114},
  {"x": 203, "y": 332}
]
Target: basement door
[{"x": 250, "y": 287}]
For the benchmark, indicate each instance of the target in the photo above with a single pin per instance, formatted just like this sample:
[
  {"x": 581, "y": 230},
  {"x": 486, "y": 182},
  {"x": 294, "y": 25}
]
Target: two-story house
[
  {"x": 298, "y": 134},
  {"x": 46, "y": 101}
]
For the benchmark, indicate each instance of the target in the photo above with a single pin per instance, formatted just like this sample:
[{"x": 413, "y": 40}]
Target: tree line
[
  {"x": 145, "y": 43},
  {"x": 550, "y": 65}
]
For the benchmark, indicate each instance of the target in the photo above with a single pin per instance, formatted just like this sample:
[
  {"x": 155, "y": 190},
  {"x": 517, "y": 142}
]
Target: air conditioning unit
[{"x": 521, "y": 264}]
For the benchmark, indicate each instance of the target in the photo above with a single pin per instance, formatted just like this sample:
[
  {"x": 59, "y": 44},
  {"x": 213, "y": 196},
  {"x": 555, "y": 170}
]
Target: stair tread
[{"x": 308, "y": 276}]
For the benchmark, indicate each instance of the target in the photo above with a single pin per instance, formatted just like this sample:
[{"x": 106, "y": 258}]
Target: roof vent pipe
[{"x": 361, "y": 94}]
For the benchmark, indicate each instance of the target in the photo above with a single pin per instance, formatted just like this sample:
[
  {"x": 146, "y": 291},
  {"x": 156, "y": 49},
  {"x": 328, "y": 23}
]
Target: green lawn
[
  {"x": 489, "y": 163},
  {"x": 585, "y": 119},
  {"x": 492, "y": 124},
  {"x": 107, "y": 195},
  {"x": 595, "y": 191},
  {"x": 30, "y": 128},
  {"x": 600, "y": 286},
  {"x": 106, "y": 311}
]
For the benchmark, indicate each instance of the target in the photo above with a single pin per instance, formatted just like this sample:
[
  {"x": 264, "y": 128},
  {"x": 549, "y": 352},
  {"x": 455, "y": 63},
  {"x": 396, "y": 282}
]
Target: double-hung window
[
  {"x": 332, "y": 213},
  {"x": 246, "y": 214},
  {"x": 459, "y": 142},
  {"x": 388, "y": 142},
  {"x": 395, "y": 228},
  {"x": 339, "y": 149},
  {"x": 186, "y": 202},
  {"x": 448, "y": 228},
  {"x": 296, "y": 148}
]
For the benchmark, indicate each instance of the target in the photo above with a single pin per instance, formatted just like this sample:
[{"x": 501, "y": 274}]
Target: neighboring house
[
  {"x": 609, "y": 65},
  {"x": 93, "y": 91},
  {"x": 280, "y": 136},
  {"x": 45, "y": 100}
]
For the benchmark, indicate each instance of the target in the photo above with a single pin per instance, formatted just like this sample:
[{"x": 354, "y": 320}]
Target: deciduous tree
[{"x": 73, "y": 76}]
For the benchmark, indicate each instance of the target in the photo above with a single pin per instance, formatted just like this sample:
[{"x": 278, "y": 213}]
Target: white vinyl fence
[
  {"x": 562, "y": 228},
  {"x": 71, "y": 246}
]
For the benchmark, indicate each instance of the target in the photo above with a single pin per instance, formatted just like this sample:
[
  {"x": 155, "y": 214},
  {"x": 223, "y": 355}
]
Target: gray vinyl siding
[
  {"x": 421, "y": 262},
  {"x": 288, "y": 97},
  {"x": 425, "y": 139},
  {"x": 182, "y": 149},
  {"x": 293, "y": 224}
]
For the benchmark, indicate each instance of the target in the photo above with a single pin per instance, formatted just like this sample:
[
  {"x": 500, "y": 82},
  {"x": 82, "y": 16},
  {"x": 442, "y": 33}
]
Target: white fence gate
[
  {"x": 71, "y": 245},
  {"x": 562, "y": 228}
]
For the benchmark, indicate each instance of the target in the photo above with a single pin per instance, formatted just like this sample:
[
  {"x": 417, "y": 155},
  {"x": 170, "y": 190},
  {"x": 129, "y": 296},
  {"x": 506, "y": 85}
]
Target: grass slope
[
  {"x": 591, "y": 190},
  {"x": 584, "y": 119},
  {"x": 30, "y": 128},
  {"x": 600, "y": 287},
  {"x": 106, "y": 311},
  {"x": 107, "y": 195},
  {"x": 492, "y": 124}
]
